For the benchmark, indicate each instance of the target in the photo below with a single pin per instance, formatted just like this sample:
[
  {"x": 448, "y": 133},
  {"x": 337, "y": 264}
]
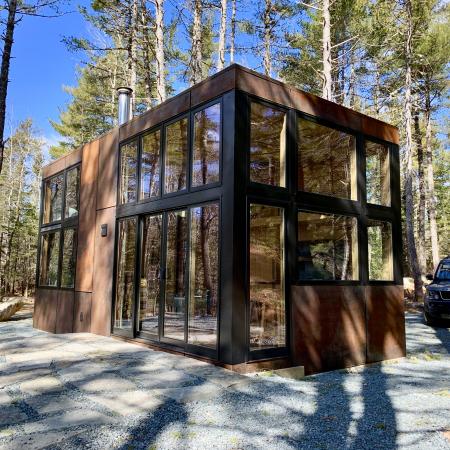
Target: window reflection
[
  {"x": 377, "y": 174},
  {"x": 267, "y": 302},
  {"x": 206, "y": 151},
  {"x": 327, "y": 247},
  {"x": 379, "y": 236},
  {"x": 150, "y": 287},
  {"x": 267, "y": 145},
  {"x": 72, "y": 192},
  {"x": 176, "y": 153},
  {"x": 327, "y": 160},
  {"x": 53, "y": 192},
  {"x": 204, "y": 273},
  {"x": 125, "y": 273},
  {"x": 128, "y": 172},
  {"x": 175, "y": 292},
  {"x": 69, "y": 257},
  {"x": 150, "y": 166},
  {"x": 49, "y": 259}
]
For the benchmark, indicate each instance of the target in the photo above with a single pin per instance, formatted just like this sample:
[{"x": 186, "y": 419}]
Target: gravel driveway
[{"x": 81, "y": 391}]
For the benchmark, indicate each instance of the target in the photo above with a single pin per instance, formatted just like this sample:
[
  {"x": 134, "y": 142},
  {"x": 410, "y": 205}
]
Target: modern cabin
[{"x": 243, "y": 222}]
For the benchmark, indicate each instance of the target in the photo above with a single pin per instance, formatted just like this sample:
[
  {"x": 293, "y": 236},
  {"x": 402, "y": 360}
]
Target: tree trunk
[
  {"x": 431, "y": 199},
  {"x": 4, "y": 72},
  {"x": 421, "y": 213},
  {"x": 326, "y": 51},
  {"x": 267, "y": 23},
  {"x": 132, "y": 46},
  {"x": 160, "y": 56},
  {"x": 233, "y": 30},
  {"x": 222, "y": 35},
  {"x": 196, "y": 50},
  {"x": 409, "y": 199}
]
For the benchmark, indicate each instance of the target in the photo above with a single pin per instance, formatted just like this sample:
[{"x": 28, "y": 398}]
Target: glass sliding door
[
  {"x": 150, "y": 280},
  {"x": 175, "y": 275},
  {"x": 126, "y": 262},
  {"x": 203, "y": 275}
]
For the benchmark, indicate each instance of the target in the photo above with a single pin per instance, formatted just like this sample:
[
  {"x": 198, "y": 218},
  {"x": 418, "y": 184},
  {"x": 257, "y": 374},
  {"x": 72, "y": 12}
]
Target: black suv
[{"x": 437, "y": 298}]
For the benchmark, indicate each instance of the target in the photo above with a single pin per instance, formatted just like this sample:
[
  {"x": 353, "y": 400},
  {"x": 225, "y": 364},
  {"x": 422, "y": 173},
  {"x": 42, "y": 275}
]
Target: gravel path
[{"x": 89, "y": 392}]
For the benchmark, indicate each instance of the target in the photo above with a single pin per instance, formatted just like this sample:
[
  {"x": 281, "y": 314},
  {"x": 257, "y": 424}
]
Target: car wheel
[{"x": 428, "y": 320}]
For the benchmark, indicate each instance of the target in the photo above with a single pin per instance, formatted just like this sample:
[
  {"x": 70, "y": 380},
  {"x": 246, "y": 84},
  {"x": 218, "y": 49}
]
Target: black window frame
[
  {"x": 162, "y": 126},
  {"x": 59, "y": 225}
]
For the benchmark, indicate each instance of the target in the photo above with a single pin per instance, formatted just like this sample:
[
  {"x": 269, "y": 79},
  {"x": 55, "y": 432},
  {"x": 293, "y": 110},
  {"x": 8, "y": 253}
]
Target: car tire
[{"x": 428, "y": 320}]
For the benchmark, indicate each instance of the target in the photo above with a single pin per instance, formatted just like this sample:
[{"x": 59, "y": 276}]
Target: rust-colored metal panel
[
  {"x": 82, "y": 312},
  {"x": 64, "y": 312},
  {"x": 170, "y": 108},
  {"x": 86, "y": 224},
  {"x": 379, "y": 129},
  {"x": 328, "y": 327},
  {"x": 213, "y": 86},
  {"x": 103, "y": 273},
  {"x": 107, "y": 169},
  {"x": 385, "y": 323},
  {"x": 73, "y": 157},
  {"x": 45, "y": 304},
  {"x": 54, "y": 167}
]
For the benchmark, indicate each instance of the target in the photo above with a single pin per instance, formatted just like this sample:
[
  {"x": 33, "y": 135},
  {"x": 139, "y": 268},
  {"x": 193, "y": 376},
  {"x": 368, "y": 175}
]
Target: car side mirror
[{"x": 429, "y": 277}]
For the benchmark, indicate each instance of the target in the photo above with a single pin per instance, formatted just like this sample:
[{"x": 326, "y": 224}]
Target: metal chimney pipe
[{"x": 125, "y": 113}]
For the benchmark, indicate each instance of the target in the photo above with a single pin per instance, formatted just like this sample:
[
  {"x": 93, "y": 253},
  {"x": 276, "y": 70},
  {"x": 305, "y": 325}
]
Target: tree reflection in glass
[
  {"x": 267, "y": 299},
  {"x": 203, "y": 280},
  {"x": 69, "y": 258},
  {"x": 327, "y": 160},
  {"x": 49, "y": 259},
  {"x": 379, "y": 235},
  {"x": 175, "y": 286},
  {"x": 267, "y": 145},
  {"x": 150, "y": 286},
  {"x": 128, "y": 172},
  {"x": 150, "y": 166},
  {"x": 206, "y": 151},
  {"x": 53, "y": 192},
  {"x": 377, "y": 174},
  {"x": 327, "y": 247},
  {"x": 72, "y": 192},
  {"x": 175, "y": 159},
  {"x": 125, "y": 273}
]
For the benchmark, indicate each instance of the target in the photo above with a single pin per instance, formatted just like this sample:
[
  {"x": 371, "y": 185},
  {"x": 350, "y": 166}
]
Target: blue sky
[{"x": 40, "y": 67}]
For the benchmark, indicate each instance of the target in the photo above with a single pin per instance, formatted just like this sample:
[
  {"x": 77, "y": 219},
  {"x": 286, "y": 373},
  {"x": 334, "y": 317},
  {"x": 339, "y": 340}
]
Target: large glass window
[
  {"x": 206, "y": 151},
  {"x": 327, "y": 247},
  {"x": 53, "y": 195},
  {"x": 175, "y": 271},
  {"x": 150, "y": 165},
  {"x": 176, "y": 156},
  {"x": 69, "y": 258},
  {"x": 72, "y": 192},
  {"x": 125, "y": 274},
  {"x": 49, "y": 263},
  {"x": 379, "y": 236},
  {"x": 326, "y": 160},
  {"x": 150, "y": 285},
  {"x": 204, "y": 273},
  {"x": 267, "y": 145},
  {"x": 377, "y": 174},
  {"x": 267, "y": 299},
  {"x": 128, "y": 172}
]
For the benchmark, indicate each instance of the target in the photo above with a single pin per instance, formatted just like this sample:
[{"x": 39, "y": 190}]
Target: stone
[
  {"x": 126, "y": 403},
  {"x": 41, "y": 385},
  {"x": 104, "y": 383},
  {"x": 294, "y": 373}
]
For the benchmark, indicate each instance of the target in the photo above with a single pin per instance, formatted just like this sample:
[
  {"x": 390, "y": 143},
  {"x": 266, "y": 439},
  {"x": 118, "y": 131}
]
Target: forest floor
[{"x": 85, "y": 391}]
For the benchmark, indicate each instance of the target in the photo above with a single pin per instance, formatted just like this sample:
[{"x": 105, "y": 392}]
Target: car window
[{"x": 443, "y": 272}]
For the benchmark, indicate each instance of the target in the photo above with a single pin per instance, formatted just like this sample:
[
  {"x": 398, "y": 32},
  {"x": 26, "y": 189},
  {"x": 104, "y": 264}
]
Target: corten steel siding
[
  {"x": 86, "y": 308},
  {"x": 330, "y": 325}
]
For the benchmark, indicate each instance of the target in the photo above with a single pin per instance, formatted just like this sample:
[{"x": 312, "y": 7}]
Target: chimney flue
[{"x": 125, "y": 113}]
